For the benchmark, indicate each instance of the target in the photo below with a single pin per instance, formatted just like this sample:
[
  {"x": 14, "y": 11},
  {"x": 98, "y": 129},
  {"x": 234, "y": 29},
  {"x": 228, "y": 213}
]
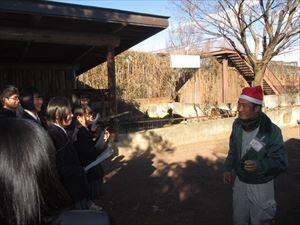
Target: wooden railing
[{"x": 273, "y": 82}]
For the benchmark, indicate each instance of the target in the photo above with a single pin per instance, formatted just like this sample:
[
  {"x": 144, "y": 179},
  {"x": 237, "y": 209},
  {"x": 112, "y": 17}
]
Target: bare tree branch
[{"x": 263, "y": 28}]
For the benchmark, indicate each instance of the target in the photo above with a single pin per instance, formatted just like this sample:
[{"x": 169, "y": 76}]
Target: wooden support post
[
  {"x": 225, "y": 81},
  {"x": 111, "y": 80}
]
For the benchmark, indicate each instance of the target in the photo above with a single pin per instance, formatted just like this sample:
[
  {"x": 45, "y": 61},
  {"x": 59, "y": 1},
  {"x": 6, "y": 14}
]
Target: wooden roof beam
[
  {"x": 119, "y": 27},
  {"x": 58, "y": 37},
  {"x": 65, "y": 10},
  {"x": 90, "y": 49},
  {"x": 25, "y": 51},
  {"x": 35, "y": 20},
  {"x": 38, "y": 66}
]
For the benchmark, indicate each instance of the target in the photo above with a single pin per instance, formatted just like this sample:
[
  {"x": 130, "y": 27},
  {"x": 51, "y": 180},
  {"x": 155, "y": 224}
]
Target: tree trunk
[{"x": 259, "y": 74}]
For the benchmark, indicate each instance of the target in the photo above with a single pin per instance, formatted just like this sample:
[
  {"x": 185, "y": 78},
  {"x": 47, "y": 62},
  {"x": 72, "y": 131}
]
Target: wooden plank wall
[
  {"x": 50, "y": 82},
  {"x": 205, "y": 87}
]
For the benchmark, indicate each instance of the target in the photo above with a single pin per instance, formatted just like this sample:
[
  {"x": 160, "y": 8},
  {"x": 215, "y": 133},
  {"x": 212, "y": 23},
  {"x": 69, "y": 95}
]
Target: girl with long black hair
[{"x": 30, "y": 190}]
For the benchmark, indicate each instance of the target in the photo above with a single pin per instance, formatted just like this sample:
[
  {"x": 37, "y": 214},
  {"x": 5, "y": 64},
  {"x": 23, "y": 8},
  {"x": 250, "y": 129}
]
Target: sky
[{"x": 158, "y": 7}]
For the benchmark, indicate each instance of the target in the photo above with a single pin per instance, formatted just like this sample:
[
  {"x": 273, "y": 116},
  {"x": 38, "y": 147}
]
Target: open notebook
[{"x": 103, "y": 156}]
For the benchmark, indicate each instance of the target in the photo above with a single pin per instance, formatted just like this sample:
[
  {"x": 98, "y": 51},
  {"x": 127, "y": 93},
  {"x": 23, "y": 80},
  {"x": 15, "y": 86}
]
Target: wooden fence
[{"x": 50, "y": 82}]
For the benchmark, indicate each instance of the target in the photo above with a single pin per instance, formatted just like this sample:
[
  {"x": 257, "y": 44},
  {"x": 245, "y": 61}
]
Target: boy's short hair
[
  {"x": 27, "y": 98},
  {"x": 8, "y": 91}
]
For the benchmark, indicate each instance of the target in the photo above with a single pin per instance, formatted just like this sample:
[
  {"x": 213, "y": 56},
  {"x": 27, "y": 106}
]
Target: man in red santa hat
[{"x": 256, "y": 155}]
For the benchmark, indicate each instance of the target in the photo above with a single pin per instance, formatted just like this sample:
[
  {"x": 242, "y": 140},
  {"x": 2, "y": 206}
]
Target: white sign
[{"x": 185, "y": 61}]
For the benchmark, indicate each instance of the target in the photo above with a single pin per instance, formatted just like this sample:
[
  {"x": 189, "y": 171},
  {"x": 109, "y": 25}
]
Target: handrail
[{"x": 274, "y": 81}]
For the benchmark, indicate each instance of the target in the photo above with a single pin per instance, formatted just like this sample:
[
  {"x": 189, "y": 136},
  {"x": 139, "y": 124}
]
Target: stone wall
[
  {"x": 159, "y": 110},
  {"x": 194, "y": 132}
]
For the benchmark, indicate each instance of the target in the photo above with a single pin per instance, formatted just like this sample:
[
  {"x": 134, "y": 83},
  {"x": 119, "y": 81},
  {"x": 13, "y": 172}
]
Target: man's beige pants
[{"x": 253, "y": 203}]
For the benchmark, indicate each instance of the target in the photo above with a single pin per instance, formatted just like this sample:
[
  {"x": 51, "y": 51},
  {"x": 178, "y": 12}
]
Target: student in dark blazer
[
  {"x": 72, "y": 174},
  {"x": 85, "y": 146},
  {"x": 32, "y": 103}
]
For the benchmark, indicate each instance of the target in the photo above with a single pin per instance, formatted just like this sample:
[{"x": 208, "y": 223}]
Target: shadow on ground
[
  {"x": 145, "y": 191},
  {"x": 287, "y": 187}
]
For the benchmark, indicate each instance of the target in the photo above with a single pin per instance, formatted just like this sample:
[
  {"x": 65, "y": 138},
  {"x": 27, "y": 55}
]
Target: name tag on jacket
[{"x": 256, "y": 145}]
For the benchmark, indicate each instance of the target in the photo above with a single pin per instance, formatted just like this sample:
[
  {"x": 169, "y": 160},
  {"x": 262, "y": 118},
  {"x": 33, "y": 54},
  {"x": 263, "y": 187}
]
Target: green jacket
[{"x": 271, "y": 160}]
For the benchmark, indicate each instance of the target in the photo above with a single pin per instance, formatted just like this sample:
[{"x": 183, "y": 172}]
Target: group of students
[{"x": 43, "y": 159}]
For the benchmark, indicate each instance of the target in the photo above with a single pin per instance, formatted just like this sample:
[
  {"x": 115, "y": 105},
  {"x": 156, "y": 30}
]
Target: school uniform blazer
[
  {"x": 6, "y": 113},
  {"x": 27, "y": 116},
  {"x": 87, "y": 153},
  {"x": 71, "y": 172}
]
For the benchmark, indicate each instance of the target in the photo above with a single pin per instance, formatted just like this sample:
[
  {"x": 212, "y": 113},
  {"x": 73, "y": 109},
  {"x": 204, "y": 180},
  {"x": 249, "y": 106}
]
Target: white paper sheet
[{"x": 104, "y": 155}]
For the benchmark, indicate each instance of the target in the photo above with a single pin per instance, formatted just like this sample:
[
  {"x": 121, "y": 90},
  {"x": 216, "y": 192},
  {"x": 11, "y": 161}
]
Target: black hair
[
  {"x": 29, "y": 187},
  {"x": 75, "y": 99},
  {"x": 58, "y": 109},
  {"x": 27, "y": 99},
  {"x": 8, "y": 91},
  {"x": 80, "y": 110}
]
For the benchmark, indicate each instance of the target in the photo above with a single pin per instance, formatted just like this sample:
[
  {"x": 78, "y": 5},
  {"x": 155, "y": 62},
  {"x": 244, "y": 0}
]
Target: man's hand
[
  {"x": 250, "y": 165},
  {"x": 227, "y": 176}
]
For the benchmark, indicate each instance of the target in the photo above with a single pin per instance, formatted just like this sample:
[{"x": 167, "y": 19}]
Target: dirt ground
[{"x": 182, "y": 185}]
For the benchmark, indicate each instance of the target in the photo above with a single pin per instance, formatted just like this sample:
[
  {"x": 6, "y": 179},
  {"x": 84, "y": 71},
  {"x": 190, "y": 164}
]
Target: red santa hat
[{"x": 253, "y": 94}]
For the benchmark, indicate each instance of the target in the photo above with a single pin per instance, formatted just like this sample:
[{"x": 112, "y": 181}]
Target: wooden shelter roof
[{"x": 45, "y": 32}]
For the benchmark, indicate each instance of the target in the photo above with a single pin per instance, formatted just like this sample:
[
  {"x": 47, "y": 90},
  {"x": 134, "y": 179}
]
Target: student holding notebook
[
  {"x": 87, "y": 149},
  {"x": 72, "y": 174}
]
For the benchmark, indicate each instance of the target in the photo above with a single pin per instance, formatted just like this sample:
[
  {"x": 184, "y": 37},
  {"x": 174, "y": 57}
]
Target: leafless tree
[
  {"x": 184, "y": 35},
  {"x": 271, "y": 26}
]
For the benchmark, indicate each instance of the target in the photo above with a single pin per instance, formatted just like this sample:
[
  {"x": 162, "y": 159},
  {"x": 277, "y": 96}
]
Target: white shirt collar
[
  {"x": 61, "y": 128},
  {"x": 31, "y": 114}
]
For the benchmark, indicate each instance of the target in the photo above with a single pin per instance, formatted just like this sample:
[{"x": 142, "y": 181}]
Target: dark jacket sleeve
[
  {"x": 230, "y": 159},
  {"x": 85, "y": 147},
  {"x": 276, "y": 159}
]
